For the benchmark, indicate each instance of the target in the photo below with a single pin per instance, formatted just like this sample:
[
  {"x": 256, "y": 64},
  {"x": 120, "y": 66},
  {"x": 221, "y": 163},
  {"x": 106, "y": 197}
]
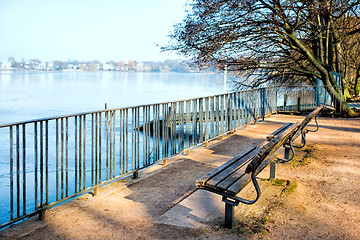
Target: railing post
[
  {"x": 41, "y": 212},
  {"x": 135, "y": 174},
  {"x": 96, "y": 191},
  {"x": 298, "y": 104},
  {"x": 263, "y": 101},
  {"x": 42, "y": 215}
]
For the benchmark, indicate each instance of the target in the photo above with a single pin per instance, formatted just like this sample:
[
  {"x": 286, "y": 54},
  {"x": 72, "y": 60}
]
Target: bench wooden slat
[
  {"x": 242, "y": 182},
  {"x": 277, "y": 142},
  {"x": 229, "y": 181},
  {"x": 218, "y": 170},
  {"x": 313, "y": 114},
  {"x": 225, "y": 176},
  {"x": 265, "y": 150},
  {"x": 231, "y": 174},
  {"x": 283, "y": 128}
]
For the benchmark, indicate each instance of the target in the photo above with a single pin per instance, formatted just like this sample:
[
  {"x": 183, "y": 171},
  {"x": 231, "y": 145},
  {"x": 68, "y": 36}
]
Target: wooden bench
[
  {"x": 230, "y": 178},
  {"x": 303, "y": 130}
]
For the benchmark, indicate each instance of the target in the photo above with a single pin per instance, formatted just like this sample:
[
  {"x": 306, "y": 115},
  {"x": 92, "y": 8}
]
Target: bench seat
[{"x": 230, "y": 178}]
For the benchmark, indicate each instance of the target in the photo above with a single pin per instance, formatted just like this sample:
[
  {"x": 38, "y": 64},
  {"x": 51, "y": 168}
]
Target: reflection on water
[{"x": 25, "y": 96}]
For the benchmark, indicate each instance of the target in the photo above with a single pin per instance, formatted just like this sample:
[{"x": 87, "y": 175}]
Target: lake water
[{"x": 32, "y": 95}]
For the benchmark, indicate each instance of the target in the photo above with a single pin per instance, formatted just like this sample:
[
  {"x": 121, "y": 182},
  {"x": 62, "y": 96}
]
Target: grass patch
[
  {"x": 289, "y": 187},
  {"x": 249, "y": 226},
  {"x": 304, "y": 156},
  {"x": 278, "y": 182}
]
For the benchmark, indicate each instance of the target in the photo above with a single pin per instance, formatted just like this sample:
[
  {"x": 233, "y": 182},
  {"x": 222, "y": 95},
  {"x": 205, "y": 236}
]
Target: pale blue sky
[{"x": 87, "y": 29}]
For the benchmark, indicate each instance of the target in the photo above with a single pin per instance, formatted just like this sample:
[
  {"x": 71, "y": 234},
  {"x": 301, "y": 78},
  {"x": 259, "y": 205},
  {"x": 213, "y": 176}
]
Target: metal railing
[
  {"x": 304, "y": 98},
  {"x": 48, "y": 161}
]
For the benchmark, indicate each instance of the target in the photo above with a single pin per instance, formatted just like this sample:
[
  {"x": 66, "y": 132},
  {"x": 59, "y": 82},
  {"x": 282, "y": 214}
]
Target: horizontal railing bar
[
  {"x": 113, "y": 109},
  {"x": 109, "y": 110},
  {"x": 135, "y": 106}
]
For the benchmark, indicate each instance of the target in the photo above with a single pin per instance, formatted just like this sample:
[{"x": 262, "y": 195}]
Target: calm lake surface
[
  {"x": 32, "y": 95},
  {"x": 35, "y": 95}
]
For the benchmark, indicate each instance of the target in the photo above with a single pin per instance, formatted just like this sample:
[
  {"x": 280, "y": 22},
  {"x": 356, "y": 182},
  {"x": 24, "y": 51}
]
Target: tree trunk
[
  {"x": 357, "y": 82},
  {"x": 346, "y": 93},
  {"x": 336, "y": 96}
]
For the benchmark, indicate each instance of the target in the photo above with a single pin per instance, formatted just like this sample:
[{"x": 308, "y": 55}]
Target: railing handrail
[{"x": 114, "y": 109}]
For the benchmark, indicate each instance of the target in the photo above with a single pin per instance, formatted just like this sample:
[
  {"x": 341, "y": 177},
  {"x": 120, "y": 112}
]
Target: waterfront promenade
[{"x": 162, "y": 204}]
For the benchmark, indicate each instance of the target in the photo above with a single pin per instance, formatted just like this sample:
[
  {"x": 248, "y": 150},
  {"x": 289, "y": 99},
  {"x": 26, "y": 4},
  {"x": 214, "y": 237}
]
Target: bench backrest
[
  {"x": 272, "y": 146},
  {"x": 311, "y": 115},
  {"x": 303, "y": 124},
  {"x": 231, "y": 177}
]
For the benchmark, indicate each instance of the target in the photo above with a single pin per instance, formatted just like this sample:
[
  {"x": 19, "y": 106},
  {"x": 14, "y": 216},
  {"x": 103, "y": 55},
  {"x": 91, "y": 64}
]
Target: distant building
[
  {"x": 46, "y": 66},
  {"x": 108, "y": 67},
  {"x": 6, "y": 65},
  {"x": 71, "y": 66},
  {"x": 140, "y": 67}
]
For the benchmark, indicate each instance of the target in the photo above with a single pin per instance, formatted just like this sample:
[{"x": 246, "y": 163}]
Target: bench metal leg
[
  {"x": 303, "y": 139},
  {"x": 229, "y": 212},
  {"x": 273, "y": 170},
  {"x": 289, "y": 147},
  {"x": 287, "y": 153},
  {"x": 229, "y": 215}
]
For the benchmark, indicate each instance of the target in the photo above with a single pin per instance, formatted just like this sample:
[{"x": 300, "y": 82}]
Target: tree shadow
[{"x": 343, "y": 129}]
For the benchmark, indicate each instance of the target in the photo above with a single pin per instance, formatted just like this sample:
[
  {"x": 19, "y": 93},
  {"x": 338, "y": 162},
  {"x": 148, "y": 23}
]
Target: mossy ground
[{"x": 305, "y": 155}]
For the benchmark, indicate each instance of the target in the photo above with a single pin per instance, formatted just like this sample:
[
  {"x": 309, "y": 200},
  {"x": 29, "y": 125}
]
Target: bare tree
[{"x": 293, "y": 39}]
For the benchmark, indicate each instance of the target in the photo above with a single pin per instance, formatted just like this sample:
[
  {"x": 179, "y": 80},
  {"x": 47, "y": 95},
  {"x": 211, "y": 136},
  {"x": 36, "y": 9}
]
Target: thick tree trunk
[
  {"x": 337, "y": 97},
  {"x": 346, "y": 92},
  {"x": 357, "y": 82},
  {"x": 339, "y": 103}
]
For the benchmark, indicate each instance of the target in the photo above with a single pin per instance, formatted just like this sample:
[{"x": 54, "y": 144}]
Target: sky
[{"x": 87, "y": 30}]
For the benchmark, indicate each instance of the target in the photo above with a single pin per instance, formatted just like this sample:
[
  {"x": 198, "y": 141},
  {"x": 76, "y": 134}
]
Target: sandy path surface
[{"x": 325, "y": 204}]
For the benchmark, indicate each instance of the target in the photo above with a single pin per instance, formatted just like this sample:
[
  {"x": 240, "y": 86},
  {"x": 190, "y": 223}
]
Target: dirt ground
[{"x": 324, "y": 204}]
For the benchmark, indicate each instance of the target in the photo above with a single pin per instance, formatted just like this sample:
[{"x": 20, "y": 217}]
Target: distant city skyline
[
  {"x": 87, "y": 30},
  {"x": 132, "y": 66}
]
